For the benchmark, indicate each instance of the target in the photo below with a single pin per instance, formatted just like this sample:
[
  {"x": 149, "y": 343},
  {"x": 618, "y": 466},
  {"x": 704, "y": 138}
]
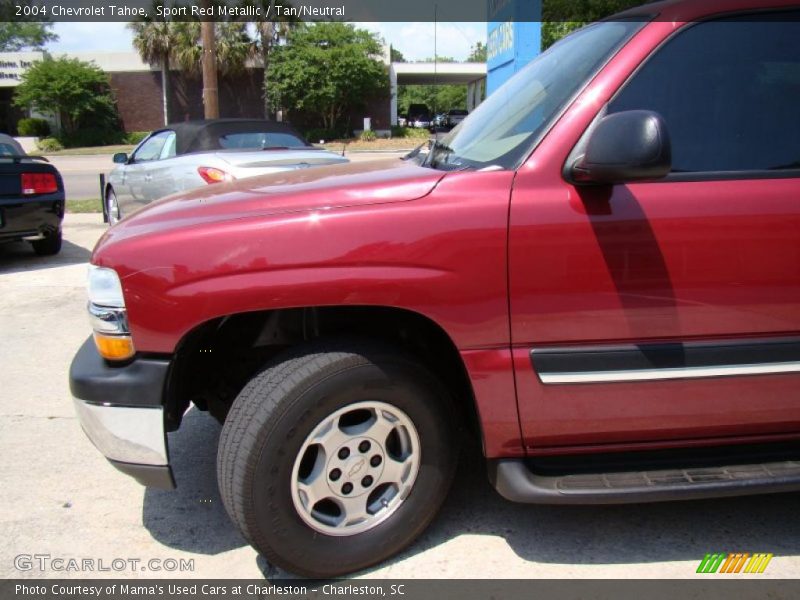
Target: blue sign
[{"x": 514, "y": 38}]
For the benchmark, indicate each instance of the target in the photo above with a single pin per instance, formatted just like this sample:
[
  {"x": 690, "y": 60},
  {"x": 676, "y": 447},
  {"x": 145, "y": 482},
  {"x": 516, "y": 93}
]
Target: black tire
[
  {"x": 269, "y": 422},
  {"x": 48, "y": 246}
]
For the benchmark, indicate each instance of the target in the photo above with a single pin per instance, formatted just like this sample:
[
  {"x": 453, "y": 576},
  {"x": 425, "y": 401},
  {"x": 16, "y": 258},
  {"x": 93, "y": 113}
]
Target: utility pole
[
  {"x": 210, "y": 89},
  {"x": 435, "y": 61}
]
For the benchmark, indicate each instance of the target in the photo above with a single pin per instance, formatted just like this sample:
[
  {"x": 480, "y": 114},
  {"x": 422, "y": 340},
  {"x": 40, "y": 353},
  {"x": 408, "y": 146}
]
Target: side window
[
  {"x": 728, "y": 90},
  {"x": 152, "y": 147},
  {"x": 168, "y": 151}
]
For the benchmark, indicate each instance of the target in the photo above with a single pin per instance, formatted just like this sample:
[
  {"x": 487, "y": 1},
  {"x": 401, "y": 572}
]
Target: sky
[{"x": 413, "y": 39}]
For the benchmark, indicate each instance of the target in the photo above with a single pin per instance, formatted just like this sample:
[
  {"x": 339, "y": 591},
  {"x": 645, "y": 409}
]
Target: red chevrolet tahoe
[{"x": 597, "y": 274}]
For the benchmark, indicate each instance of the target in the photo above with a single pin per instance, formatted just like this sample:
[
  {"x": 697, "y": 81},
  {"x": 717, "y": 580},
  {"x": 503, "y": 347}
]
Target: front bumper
[{"x": 121, "y": 411}]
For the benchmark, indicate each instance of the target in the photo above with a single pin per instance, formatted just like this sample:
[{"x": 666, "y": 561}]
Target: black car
[
  {"x": 31, "y": 199},
  {"x": 419, "y": 116}
]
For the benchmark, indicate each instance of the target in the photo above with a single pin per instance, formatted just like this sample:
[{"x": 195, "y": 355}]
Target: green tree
[
  {"x": 327, "y": 68},
  {"x": 437, "y": 98},
  {"x": 75, "y": 90},
  {"x": 156, "y": 42},
  {"x": 269, "y": 34},
  {"x": 562, "y": 17},
  {"x": 17, "y": 36},
  {"x": 477, "y": 53},
  {"x": 234, "y": 47},
  {"x": 396, "y": 55}
]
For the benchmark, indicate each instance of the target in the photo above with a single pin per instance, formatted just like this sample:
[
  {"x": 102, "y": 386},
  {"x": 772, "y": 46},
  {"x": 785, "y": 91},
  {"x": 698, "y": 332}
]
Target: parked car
[
  {"x": 419, "y": 116},
  {"x": 454, "y": 117},
  {"x": 31, "y": 199},
  {"x": 422, "y": 121},
  {"x": 595, "y": 275},
  {"x": 184, "y": 156},
  {"x": 440, "y": 120}
]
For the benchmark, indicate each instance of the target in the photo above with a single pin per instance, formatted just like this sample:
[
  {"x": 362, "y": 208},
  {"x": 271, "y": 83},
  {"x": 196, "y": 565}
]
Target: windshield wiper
[
  {"x": 436, "y": 147},
  {"x": 415, "y": 152}
]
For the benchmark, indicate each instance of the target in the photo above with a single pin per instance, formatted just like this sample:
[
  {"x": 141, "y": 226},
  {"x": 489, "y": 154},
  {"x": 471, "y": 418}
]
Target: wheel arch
[{"x": 215, "y": 359}]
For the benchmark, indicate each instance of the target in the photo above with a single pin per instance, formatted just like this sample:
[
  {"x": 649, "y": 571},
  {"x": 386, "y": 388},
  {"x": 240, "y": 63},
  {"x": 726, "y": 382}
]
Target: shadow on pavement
[
  {"x": 589, "y": 535},
  {"x": 192, "y": 517},
  {"x": 17, "y": 257},
  {"x": 598, "y": 535}
]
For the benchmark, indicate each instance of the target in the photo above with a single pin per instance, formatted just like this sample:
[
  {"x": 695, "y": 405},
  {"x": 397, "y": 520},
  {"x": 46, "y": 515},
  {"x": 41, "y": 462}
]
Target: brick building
[{"x": 137, "y": 89}]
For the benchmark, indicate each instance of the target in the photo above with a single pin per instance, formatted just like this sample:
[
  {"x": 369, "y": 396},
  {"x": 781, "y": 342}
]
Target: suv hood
[{"x": 321, "y": 188}]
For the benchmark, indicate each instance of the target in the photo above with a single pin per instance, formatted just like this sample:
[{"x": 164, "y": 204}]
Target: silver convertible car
[{"x": 192, "y": 154}]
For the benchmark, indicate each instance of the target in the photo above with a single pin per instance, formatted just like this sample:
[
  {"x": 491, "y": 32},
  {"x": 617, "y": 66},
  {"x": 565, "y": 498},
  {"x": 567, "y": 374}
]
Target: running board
[{"x": 515, "y": 482}]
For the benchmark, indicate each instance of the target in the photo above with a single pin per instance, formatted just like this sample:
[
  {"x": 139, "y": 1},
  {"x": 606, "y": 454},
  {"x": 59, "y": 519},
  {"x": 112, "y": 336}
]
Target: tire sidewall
[{"x": 276, "y": 522}]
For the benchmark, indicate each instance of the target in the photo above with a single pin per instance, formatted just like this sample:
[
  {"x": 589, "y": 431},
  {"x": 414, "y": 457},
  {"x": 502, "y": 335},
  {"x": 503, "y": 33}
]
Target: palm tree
[
  {"x": 234, "y": 47},
  {"x": 155, "y": 41},
  {"x": 270, "y": 34}
]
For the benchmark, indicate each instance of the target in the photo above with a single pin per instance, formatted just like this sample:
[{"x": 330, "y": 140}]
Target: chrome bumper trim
[
  {"x": 106, "y": 319},
  {"x": 125, "y": 434}
]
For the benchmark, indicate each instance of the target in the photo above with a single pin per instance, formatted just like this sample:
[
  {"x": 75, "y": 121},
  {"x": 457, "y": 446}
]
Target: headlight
[
  {"x": 108, "y": 315},
  {"x": 104, "y": 287}
]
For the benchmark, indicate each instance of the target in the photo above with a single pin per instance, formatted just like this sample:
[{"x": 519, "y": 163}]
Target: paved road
[
  {"x": 60, "y": 497},
  {"x": 81, "y": 173}
]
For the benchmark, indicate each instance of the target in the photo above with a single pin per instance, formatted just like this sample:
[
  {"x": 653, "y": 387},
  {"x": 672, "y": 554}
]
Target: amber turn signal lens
[
  {"x": 114, "y": 347},
  {"x": 212, "y": 175}
]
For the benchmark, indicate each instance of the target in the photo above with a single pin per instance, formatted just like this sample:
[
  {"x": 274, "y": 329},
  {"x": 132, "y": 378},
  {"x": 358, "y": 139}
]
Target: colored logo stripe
[
  {"x": 758, "y": 563},
  {"x": 734, "y": 562},
  {"x": 710, "y": 563}
]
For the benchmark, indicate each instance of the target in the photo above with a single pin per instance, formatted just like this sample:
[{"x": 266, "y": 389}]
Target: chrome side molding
[{"x": 659, "y": 362}]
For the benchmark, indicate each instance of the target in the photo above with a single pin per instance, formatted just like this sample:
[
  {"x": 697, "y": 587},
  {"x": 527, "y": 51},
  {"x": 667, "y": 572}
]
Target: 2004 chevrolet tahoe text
[{"x": 597, "y": 274}]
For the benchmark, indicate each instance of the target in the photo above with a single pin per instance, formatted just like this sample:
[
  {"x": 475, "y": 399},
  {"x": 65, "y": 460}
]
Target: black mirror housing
[
  {"x": 120, "y": 158},
  {"x": 625, "y": 147}
]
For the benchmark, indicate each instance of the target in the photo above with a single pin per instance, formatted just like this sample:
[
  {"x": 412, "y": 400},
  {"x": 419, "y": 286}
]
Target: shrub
[
  {"x": 49, "y": 144},
  {"x": 368, "y": 136},
  {"x": 314, "y": 135},
  {"x": 77, "y": 91},
  {"x": 410, "y": 132},
  {"x": 92, "y": 136},
  {"x": 135, "y": 137},
  {"x": 33, "y": 127}
]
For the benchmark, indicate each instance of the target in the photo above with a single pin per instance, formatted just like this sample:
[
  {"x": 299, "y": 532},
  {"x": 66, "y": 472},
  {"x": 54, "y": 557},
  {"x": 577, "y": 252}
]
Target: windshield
[{"x": 502, "y": 130}]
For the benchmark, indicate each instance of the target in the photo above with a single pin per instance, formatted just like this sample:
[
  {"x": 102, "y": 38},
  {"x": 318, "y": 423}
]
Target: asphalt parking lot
[{"x": 61, "y": 498}]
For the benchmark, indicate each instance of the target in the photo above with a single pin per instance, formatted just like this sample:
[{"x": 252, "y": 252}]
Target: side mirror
[
  {"x": 120, "y": 158},
  {"x": 625, "y": 147}
]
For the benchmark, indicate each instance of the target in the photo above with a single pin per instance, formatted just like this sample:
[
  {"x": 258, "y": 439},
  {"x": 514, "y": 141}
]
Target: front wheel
[
  {"x": 336, "y": 457},
  {"x": 112, "y": 207}
]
